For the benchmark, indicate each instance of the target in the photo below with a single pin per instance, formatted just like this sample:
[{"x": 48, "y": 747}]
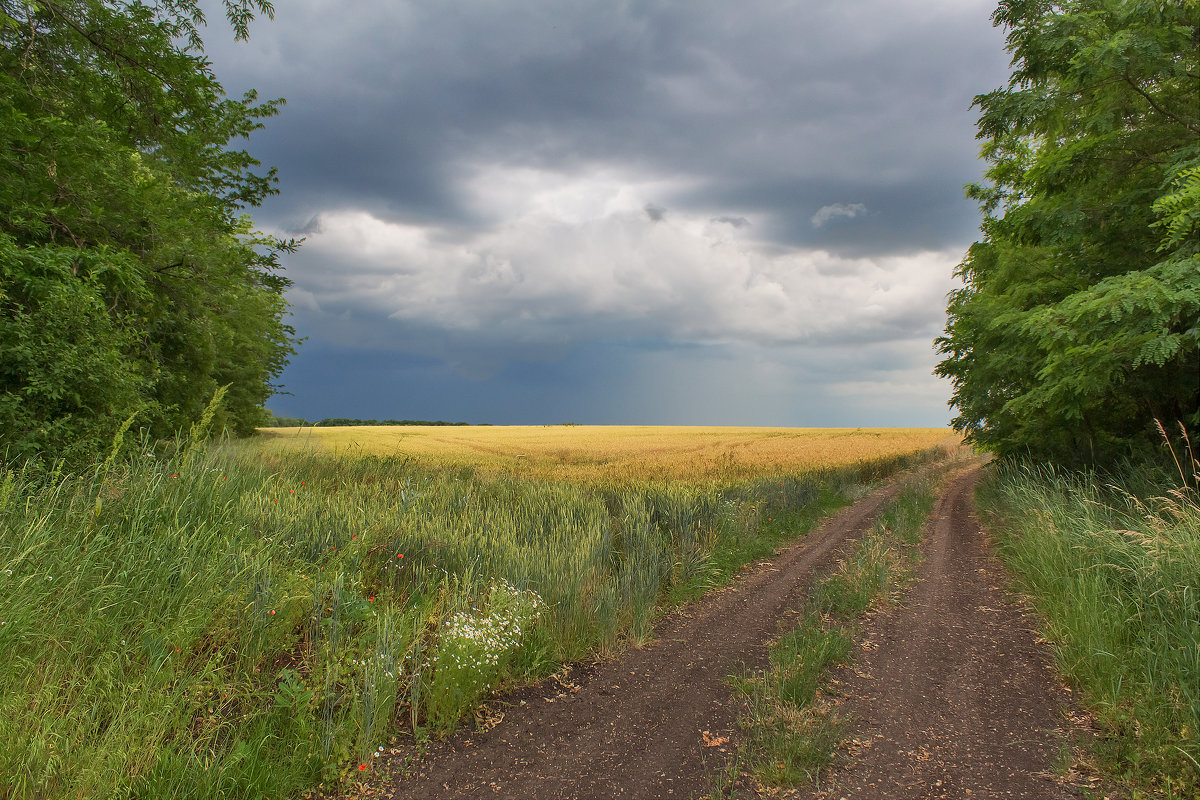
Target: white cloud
[
  {"x": 571, "y": 257},
  {"x": 826, "y": 214}
]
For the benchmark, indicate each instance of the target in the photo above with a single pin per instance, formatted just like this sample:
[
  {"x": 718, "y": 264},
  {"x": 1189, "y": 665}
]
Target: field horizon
[{"x": 586, "y": 453}]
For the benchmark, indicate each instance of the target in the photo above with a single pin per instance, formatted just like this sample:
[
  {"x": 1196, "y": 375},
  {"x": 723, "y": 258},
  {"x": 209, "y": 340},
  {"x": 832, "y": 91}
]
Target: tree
[
  {"x": 132, "y": 283},
  {"x": 1077, "y": 325}
]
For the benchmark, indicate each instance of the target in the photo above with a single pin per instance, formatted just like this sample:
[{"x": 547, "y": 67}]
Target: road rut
[{"x": 952, "y": 695}]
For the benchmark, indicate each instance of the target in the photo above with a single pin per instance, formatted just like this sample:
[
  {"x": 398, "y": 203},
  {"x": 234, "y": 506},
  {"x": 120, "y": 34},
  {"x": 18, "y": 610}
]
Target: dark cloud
[
  {"x": 485, "y": 190},
  {"x": 312, "y": 226},
  {"x": 388, "y": 104},
  {"x": 625, "y": 382}
]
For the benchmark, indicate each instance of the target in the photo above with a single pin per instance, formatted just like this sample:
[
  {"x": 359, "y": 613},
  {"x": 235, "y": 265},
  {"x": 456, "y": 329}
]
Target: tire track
[{"x": 953, "y": 697}]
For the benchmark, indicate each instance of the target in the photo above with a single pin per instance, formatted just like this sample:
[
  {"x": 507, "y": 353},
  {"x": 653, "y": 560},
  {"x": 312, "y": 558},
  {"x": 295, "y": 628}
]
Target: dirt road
[
  {"x": 951, "y": 695},
  {"x": 634, "y": 726}
]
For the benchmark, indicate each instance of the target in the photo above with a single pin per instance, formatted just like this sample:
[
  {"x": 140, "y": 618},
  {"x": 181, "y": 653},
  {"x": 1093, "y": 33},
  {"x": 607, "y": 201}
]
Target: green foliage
[
  {"x": 1077, "y": 323},
  {"x": 271, "y": 420},
  {"x": 800, "y": 657},
  {"x": 131, "y": 280},
  {"x": 473, "y": 653},
  {"x": 1116, "y": 577},
  {"x": 790, "y": 738}
]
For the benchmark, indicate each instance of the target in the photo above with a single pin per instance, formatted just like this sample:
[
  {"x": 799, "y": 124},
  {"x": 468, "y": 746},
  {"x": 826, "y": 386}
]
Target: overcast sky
[{"x": 620, "y": 211}]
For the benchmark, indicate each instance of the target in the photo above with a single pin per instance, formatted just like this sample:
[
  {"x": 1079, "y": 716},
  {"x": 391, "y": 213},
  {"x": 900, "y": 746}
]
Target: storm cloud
[{"x": 603, "y": 201}]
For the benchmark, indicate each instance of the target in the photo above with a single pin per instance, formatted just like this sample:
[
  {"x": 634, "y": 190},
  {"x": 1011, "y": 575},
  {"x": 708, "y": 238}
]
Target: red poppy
[{"x": 362, "y": 767}]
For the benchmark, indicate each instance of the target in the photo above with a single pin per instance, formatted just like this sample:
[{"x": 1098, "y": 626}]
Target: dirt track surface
[
  {"x": 952, "y": 695},
  {"x": 635, "y": 726}
]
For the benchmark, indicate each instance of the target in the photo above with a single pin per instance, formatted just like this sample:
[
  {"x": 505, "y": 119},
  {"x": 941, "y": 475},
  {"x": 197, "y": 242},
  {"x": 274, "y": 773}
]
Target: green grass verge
[
  {"x": 202, "y": 622},
  {"x": 1116, "y": 579}
]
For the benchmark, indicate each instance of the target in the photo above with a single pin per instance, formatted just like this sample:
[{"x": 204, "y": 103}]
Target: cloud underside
[
  {"x": 577, "y": 258},
  {"x": 883, "y": 384}
]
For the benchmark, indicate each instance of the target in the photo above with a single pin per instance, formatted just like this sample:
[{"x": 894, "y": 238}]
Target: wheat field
[
  {"x": 258, "y": 616},
  {"x": 617, "y": 453}
]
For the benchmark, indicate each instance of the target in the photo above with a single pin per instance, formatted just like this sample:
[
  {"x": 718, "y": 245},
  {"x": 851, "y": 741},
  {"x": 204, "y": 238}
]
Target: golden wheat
[{"x": 586, "y": 454}]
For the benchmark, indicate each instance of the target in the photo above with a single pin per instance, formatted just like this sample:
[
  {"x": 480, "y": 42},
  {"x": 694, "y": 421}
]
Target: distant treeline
[
  {"x": 339, "y": 422},
  {"x": 273, "y": 421}
]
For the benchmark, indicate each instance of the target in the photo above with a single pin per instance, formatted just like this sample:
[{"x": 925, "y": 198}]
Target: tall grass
[
  {"x": 201, "y": 622},
  {"x": 1116, "y": 577}
]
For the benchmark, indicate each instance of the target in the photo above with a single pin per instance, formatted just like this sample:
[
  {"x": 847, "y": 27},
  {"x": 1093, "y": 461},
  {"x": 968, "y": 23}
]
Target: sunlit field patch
[{"x": 617, "y": 453}]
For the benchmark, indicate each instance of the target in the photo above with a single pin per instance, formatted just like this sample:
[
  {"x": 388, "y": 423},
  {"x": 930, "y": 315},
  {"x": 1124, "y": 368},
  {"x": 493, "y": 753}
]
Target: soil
[{"x": 952, "y": 695}]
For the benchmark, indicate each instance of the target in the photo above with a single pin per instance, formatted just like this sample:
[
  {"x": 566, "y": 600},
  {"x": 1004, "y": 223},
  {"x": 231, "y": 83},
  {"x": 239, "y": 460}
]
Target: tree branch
[
  {"x": 1191, "y": 126},
  {"x": 115, "y": 55}
]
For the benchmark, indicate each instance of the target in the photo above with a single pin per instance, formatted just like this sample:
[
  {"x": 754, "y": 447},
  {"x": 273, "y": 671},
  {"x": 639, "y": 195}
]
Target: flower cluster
[{"x": 476, "y": 640}]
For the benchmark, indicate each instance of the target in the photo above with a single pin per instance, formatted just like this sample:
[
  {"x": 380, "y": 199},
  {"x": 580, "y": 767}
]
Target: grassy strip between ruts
[
  {"x": 1115, "y": 575},
  {"x": 214, "y": 621},
  {"x": 789, "y": 731}
]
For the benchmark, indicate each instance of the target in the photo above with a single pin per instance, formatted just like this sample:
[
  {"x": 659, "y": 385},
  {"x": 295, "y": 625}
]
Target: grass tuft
[{"x": 1115, "y": 576}]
